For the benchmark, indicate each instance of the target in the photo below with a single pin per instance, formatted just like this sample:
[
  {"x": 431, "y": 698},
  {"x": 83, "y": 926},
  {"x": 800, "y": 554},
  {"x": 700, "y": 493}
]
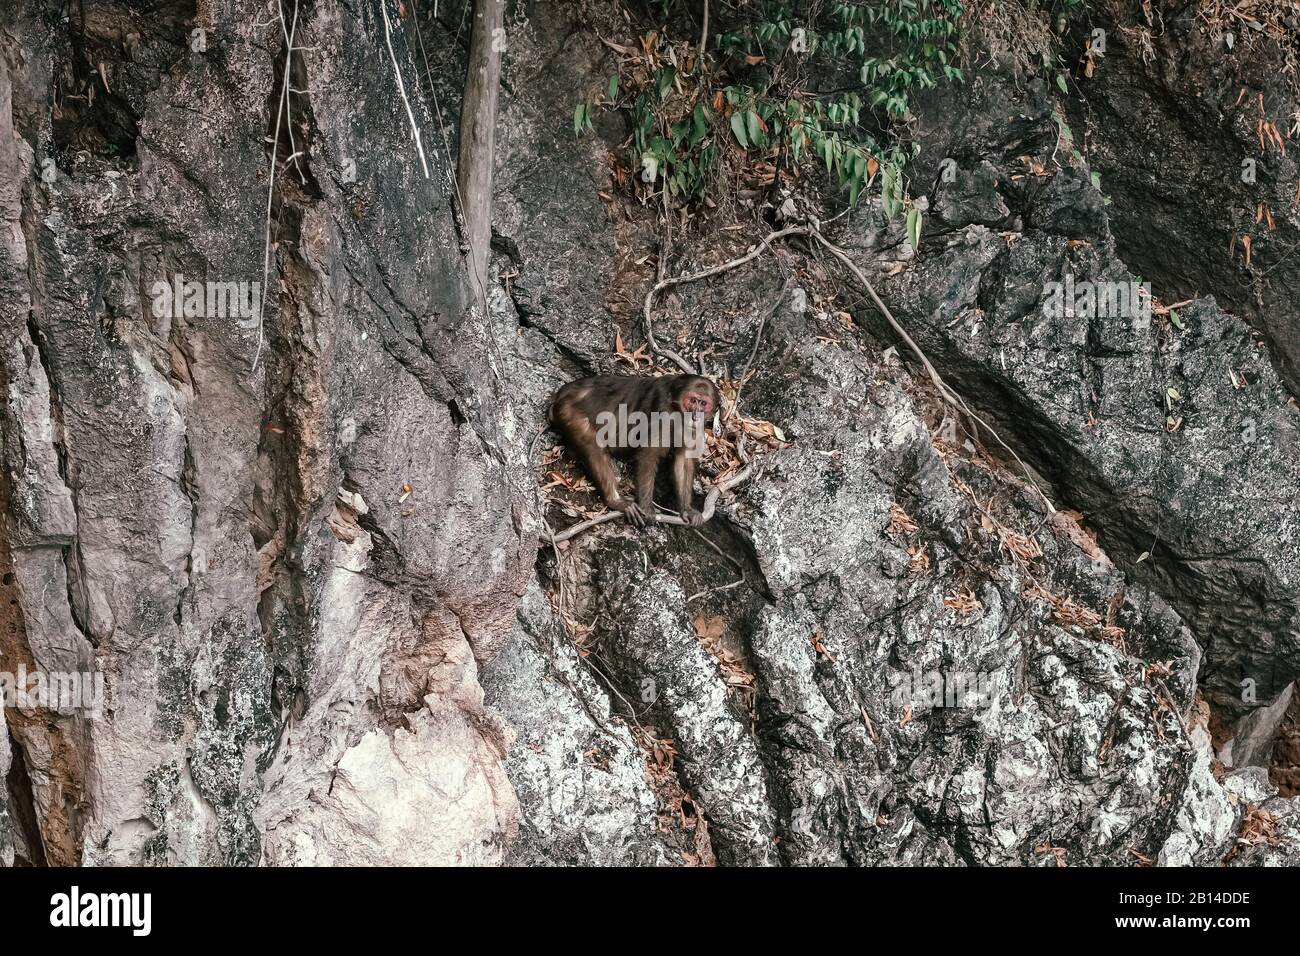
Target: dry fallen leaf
[
  {"x": 963, "y": 601},
  {"x": 636, "y": 359},
  {"x": 1070, "y": 525},
  {"x": 1259, "y": 826},
  {"x": 899, "y": 522},
  {"x": 819, "y": 647},
  {"x": 708, "y": 628}
]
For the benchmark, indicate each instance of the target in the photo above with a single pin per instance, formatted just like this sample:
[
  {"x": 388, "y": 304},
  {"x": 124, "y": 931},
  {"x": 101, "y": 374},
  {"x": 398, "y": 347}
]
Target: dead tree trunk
[{"x": 478, "y": 117}]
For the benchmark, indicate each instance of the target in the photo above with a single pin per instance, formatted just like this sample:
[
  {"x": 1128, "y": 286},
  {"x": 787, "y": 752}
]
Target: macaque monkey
[{"x": 645, "y": 419}]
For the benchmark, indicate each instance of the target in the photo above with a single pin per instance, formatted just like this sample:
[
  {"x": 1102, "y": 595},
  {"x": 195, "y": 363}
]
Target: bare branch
[
  {"x": 946, "y": 393},
  {"x": 478, "y": 119},
  {"x": 704, "y": 35},
  {"x": 710, "y": 506},
  {"x": 695, "y": 277},
  {"x": 401, "y": 87}
]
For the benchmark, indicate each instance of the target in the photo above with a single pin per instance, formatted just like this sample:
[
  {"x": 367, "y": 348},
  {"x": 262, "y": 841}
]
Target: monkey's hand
[
  {"x": 692, "y": 518},
  {"x": 634, "y": 512}
]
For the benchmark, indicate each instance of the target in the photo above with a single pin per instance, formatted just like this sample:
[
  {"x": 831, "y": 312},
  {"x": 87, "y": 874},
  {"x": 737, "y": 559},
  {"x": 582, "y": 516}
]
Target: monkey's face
[
  {"x": 699, "y": 397},
  {"x": 699, "y": 402}
]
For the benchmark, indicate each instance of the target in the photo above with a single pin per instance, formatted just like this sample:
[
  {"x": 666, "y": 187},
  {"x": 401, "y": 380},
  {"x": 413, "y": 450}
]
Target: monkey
[{"x": 646, "y": 419}]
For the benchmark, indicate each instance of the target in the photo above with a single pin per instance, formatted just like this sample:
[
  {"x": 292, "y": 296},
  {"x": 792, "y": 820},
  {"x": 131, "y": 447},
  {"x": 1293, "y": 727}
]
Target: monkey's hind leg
[{"x": 647, "y": 466}]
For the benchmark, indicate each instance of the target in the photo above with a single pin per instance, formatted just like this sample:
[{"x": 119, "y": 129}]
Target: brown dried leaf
[
  {"x": 708, "y": 628},
  {"x": 963, "y": 601},
  {"x": 1069, "y": 524},
  {"x": 899, "y": 522},
  {"x": 819, "y": 647}
]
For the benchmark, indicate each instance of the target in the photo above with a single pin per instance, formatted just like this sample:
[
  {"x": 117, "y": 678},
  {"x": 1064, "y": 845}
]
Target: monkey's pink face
[{"x": 698, "y": 402}]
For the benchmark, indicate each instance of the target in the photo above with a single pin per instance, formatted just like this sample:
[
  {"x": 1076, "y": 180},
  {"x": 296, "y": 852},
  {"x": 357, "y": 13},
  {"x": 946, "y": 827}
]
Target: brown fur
[{"x": 574, "y": 414}]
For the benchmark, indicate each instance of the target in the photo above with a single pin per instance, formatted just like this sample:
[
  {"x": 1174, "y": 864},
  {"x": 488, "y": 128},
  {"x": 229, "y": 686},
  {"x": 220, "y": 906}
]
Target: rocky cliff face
[
  {"x": 310, "y": 574},
  {"x": 284, "y": 572}
]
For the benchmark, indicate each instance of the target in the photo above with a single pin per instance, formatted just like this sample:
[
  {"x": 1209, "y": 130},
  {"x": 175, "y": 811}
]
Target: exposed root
[
  {"x": 668, "y": 283},
  {"x": 811, "y": 231}
]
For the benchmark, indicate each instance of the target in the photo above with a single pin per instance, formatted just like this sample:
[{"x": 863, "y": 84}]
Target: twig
[
  {"x": 695, "y": 277},
  {"x": 719, "y": 552},
  {"x": 589, "y": 660},
  {"x": 666, "y": 243},
  {"x": 710, "y": 505},
  {"x": 401, "y": 87},
  {"x": 744, "y": 578},
  {"x": 717, "y": 590},
  {"x": 289, "y": 49},
  {"x": 270, "y": 188},
  {"x": 665, "y": 252},
  {"x": 758, "y": 337}
]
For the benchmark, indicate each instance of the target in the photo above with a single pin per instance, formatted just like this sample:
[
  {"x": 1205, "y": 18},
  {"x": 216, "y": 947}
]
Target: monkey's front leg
[{"x": 684, "y": 485}]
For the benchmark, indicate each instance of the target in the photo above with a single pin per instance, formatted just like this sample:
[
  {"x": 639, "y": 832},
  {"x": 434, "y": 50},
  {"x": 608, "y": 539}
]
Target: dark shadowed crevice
[
  {"x": 109, "y": 55},
  {"x": 22, "y": 801},
  {"x": 1170, "y": 137}
]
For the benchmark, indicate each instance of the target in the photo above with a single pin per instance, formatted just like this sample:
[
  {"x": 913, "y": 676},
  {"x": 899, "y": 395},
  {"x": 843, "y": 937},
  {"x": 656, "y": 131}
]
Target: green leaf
[
  {"x": 613, "y": 87},
  {"x": 889, "y": 189},
  {"x": 755, "y": 128},
  {"x": 1060, "y": 81},
  {"x": 666, "y": 77},
  {"x": 738, "y": 127},
  {"x": 579, "y": 114},
  {"x": 1173, "y": 317},
  {"x": 699, "y": 124},
  {"x": 914, "y": 228}
]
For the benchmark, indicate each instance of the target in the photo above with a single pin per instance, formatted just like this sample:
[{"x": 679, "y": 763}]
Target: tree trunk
[{"x": 478, "y": 118}]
